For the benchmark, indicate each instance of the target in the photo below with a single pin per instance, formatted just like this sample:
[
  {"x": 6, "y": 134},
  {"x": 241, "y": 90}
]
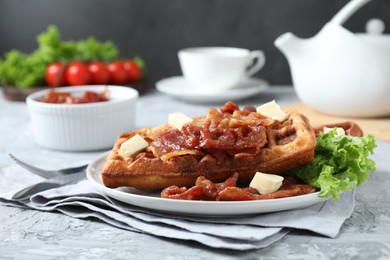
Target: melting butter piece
[
  {"x": 272, "y": 110},
  {"x": 339, "y": 131},
  {"x": 132, "y": 146},
  {"x": 178, "y": 120},
  {"x": 266, "y": 183}
]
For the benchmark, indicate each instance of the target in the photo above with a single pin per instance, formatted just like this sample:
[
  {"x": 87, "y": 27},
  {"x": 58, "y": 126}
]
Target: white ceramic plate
[
  {"x": 197, "y": 208},
  {"x": 178, "y": 87}
]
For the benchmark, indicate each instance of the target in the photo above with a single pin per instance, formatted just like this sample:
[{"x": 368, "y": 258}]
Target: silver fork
[{"x": 48, "y": 174}]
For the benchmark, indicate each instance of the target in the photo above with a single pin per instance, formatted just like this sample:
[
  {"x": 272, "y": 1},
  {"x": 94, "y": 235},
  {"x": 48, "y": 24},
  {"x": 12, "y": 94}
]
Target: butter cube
[
  {"x": 339, "y": 130},
  {"x": 178, "y": 120},
  {"x": 272, "y": 110},
  {"x": 266, "y": 183},
  {"x": 134, "y": 145}
]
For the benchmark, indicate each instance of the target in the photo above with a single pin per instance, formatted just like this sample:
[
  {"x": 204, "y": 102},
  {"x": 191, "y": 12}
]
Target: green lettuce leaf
[{"x": 340, "y": 163}]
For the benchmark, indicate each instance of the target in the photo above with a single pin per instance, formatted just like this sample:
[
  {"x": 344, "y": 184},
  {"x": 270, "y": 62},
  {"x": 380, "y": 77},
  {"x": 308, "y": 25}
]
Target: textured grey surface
[
  {"x": 156, "y": 29},
  {"x": 38, "y": 235}
]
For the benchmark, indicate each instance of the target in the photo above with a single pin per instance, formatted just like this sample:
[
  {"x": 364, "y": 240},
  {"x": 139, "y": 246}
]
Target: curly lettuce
[{"x": 340, "y": 163}]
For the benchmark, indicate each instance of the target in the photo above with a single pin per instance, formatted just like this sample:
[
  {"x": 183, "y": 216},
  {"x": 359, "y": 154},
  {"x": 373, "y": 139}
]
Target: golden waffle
[{"x": 286, "y": 145}]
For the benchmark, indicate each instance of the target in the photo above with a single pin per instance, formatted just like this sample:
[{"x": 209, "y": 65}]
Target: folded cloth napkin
[{"x": 82, "y": 200}]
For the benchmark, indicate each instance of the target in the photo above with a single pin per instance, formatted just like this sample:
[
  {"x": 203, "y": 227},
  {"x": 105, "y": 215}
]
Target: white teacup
[{"x": 211, "y": 69}]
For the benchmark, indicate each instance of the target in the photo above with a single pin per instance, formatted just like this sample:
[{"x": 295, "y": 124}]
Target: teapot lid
[{"x": 375, "y": 26}]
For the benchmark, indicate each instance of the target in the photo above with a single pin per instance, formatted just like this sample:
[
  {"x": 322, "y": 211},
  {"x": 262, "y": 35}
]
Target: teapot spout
[{"x": 289, "y": 44}]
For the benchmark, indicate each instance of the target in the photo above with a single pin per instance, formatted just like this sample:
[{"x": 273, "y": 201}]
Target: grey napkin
[{"x": 82, "y": 200}]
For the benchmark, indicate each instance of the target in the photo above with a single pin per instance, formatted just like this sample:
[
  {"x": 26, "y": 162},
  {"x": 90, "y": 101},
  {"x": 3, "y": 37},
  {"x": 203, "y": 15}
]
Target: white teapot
[{"x": 339, "y": 72}]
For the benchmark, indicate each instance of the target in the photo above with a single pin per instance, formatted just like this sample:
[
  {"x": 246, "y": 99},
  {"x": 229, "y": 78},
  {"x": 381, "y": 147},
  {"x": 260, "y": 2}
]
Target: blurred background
[{"x": 156, "y": 29}]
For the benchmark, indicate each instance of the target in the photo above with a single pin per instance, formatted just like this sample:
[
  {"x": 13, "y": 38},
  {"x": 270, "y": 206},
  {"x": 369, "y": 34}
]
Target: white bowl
[{"x": 82, "y": 127}]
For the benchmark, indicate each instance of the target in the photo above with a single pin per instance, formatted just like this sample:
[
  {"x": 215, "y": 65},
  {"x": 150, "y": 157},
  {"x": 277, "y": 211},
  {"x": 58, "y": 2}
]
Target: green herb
[
  {"x": 27, "y": 70},
  {"x": 18, "y": 68},
  {"x": 141, "y": 64},
  {"x": 91, "y": 49},
  {"x": 340, "y": 163}
]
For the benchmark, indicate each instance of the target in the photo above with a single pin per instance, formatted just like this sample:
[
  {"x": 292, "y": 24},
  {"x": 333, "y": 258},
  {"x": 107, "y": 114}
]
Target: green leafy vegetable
[
  {"x": 340, "y": 163},
  {"x": 141, "y": 64},
  {"x": 91, "y": 49},
  {"x": 27, "y": 70}
]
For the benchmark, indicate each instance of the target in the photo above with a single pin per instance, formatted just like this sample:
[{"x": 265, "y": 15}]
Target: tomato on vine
[
  {"x": 77, "y": 73},
  {"x": 117, "y": 72},
  {"x": 99, "y": 72},
  {"x": 134, "y": 72},
  {"x": 55, "y": 75},
  {"x": 96, "y": 72}
]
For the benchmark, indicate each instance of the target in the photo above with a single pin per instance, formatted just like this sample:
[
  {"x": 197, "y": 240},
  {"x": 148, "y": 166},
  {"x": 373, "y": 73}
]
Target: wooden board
[{"x": 380, "y": 127}]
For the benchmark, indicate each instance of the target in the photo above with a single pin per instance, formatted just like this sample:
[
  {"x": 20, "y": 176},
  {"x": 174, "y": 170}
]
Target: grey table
[{"x": 28, "y": 234}]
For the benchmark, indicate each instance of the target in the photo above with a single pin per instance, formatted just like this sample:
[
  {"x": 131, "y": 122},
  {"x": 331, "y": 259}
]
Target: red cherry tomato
[
  {"x": 77, "y": 73},
  {"x": 133, "y": 71},
  {"x": 117, "y": 72},
  {"x": 99, "y": 72},
  {"x": 55, "y": 74}
]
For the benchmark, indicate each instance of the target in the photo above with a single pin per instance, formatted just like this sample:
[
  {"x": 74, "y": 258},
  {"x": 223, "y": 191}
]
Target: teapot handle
[{"x": 347, "y": 11}]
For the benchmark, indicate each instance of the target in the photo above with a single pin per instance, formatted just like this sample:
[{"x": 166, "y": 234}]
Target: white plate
[
  {"x": 198, "y": 208},
  {"x": 178, "y": 87}
]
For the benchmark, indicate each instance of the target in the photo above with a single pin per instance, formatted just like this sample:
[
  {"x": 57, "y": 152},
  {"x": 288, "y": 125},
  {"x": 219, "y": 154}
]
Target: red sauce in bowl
[{"x": 54, "y": 97}]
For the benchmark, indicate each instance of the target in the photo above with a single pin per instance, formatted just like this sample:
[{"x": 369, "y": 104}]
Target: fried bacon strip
[
  {"x": 227, "y": 133},
  {"x": 204, "y": 189}
]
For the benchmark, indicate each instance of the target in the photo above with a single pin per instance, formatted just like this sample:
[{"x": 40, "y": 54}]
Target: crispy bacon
[
  {"x": 235, "y": 193},
  {"x": 227, "y": 132},
  {"x": 205, "y": 189}
]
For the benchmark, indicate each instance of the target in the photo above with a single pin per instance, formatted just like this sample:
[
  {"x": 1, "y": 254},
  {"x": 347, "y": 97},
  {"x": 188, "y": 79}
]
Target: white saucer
[{"x": 178, "y": 87}]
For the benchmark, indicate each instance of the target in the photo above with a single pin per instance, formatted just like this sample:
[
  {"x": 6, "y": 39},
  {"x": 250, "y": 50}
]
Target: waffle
[{"x": 273, "y": 147}]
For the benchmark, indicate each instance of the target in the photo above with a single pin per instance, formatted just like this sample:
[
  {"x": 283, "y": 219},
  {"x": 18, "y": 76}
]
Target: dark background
[{"x": 157, "y": 29}]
